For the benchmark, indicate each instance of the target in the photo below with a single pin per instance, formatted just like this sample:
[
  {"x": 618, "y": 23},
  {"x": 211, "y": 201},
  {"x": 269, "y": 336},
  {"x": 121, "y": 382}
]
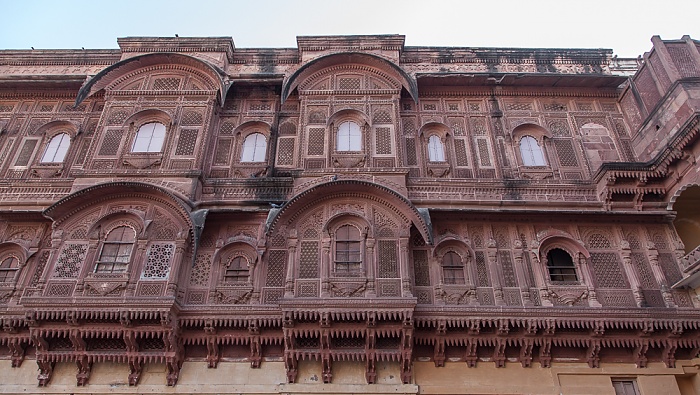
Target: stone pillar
[
  {"x": 540, "y": 275},
  {"x": 371, "y": 267},
  {"x": 626, "y": 255},
  {"x": 403, "y": 262},
  {"x": 175, "y": 267},
  {"x": 588, "y": 280},
  {"x": 292, "y": 242},
  {"x": 325, "y": 267},
  {"x": 491, "y": 253},
  {"x": 520, "y": 272},
  {"x": 134, "y": 268},
  {"x": 653, "y": 255},
  {"x": 88, "y": 264}
]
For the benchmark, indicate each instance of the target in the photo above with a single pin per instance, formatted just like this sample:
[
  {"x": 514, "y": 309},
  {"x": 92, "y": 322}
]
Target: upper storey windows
[
  {"x": 8, "y": 267},
  {"x": 348, "y": 252},
  {"x": 436, "y": 149},
  {"x": 531, "y": 152},
  {"x": 116, "y": 250},
  {"x": 349, "y": 137},
  {"x": 254, "y": 148},
  {"x": 149, "y": 138},
  {"x": 57, "y": 149}
]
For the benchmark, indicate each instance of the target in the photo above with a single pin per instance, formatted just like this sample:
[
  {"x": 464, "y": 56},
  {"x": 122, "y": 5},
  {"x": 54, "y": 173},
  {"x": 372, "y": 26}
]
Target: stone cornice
[
  {"x": 177, "y": 44},
  {"x": 59, "y": 57}
]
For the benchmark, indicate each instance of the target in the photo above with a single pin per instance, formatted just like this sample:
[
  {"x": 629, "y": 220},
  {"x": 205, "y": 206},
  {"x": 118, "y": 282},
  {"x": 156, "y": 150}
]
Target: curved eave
[
  {"x": 106, "y": 76},
  {"x": 320, "y": 191},
  {"x": 408, "y": 82},
  {"x": 71, "y": 202}
]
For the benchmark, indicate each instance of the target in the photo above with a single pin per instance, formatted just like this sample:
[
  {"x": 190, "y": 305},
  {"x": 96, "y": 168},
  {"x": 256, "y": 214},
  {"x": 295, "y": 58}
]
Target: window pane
[
  {"x": 149, "y": 138},
  {"x": 254, "y": 148},
  {"x": 436, "y": 150},
  {"x": 349, "y": 137},
  {"x": 115, "y": 254},
  {"x": 56, "y": 149},
  {"x": 531, "y": 152}
]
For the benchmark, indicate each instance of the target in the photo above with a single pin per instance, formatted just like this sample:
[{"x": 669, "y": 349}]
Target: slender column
[
  {"x": 175, "y": 266},
  {"x": 539, "y": 274},
  {"x": 495, "y": 273},
  {"x": 371, "y": 267},
  {"x": 291, "y": 258},
  {"x": 653, "y": 255},
  {"x": 588, "y": 279},
  {"x": 403, "y": 261},
  {"x": 631, "y": 273},
  {"x": 325, "y": 267},
  {"x": 136, "y": 266},
  {"x": 520, "y": 272}
]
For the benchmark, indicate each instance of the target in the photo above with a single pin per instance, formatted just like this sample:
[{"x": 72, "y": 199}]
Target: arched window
[
  {"x": 531, "y": 152},
  {"x": 116, "y": 251},
  {"x": 149, "y": 138},
  {"x": 236, "y": 271},
  {"x": 560, "y": 266},
  {"x": 452, "y": 268},
  {"x": 348, "y": 256},
  {"x": 56, "y": 149},
  {"x": 8, "y": 268},
  {"x": 436, "y": 150},
  {"x": 254, "y": 147},
  {"x": 349, "y": 137}
]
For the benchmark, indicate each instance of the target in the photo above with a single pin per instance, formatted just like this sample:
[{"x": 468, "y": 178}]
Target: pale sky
[{"x": 622, "y": 25}]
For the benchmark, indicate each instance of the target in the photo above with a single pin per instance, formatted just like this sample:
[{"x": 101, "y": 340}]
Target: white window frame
[
  {"x": 349, "y": 137},
  {"x": 149, "y": 138},
  {"x": 56, "y": 149},
  {"x": 436, "y": 149},
  {"x": 531, "y": 152},
  {"x": 254, "y": 148}
]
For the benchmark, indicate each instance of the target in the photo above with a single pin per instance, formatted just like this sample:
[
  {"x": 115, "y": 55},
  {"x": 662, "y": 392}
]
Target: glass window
[
  {"x": 436, "y": 150},
  {"x": 531, "y": 152},
  {"x": 625, "y": 387},
  {"x": 348, "y": 256},
  {"x": 8, "y": 268},
  {"x": 452, "y": 268},
  {"x": 149, "y": 138},
  {"x": 116, "y": 251},
  {"x": 56, "y": 149},
  {"x": 236, "y": 271},
  {"x": 349, "y": 137},
  {"x": 560, "y": 265},
  {"x": 254, "y": 148}
]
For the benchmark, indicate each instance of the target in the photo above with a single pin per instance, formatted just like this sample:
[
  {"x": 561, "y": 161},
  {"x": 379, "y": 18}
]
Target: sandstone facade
[{"x": 349, "y": 216}]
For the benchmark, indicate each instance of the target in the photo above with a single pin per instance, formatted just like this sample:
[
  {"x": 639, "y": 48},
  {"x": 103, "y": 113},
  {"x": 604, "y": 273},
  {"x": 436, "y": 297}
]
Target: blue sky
[{"x": 623, "y": 25}]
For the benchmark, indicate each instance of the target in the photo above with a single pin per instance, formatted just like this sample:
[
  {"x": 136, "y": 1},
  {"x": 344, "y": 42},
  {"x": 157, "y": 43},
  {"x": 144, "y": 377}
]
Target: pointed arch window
[
  {"x": 560, "y": 266},
  {"x": 348, "y": 255},
  {"x": 56, "y": 149},
  {"x": 436, "y": 149},
  {"x": 531, "y": 152},
  {"x": 254, "y": 148},
  {"x": 236, "y": 271},
  {"x": 349, "y": 137},
  {"x": 8, "y": 268},
  {"x": 149, "y": 138},
  {"x": 452, "y": 268},
  {"x": 116, "y": 250}
]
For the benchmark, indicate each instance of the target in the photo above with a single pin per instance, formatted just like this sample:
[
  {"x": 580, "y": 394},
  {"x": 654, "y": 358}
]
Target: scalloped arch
[
  {"x": 290, "y": 83},
  {"x": 354, "y": 188},
  {"x": 96, "y": 194},
  {"x": 121, "y": 68}
]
